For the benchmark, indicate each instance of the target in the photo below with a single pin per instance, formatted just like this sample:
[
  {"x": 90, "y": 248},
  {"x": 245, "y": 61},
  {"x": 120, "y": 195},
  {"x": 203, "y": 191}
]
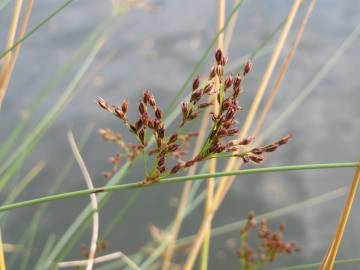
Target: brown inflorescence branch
[
  {"x": 270, "y": 248},
  {"x": 175, "y": 146}
]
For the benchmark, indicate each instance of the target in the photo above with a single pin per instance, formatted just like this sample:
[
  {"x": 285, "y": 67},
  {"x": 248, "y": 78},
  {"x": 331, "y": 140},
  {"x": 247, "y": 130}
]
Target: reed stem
[
  {"x": 212, "y": 163},
  {"x": 335, "y": 244},
  {"x": 173, "y": 180}
]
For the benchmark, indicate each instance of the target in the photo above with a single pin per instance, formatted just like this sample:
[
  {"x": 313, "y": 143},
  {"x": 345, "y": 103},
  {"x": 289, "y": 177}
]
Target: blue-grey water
[{"x": 156, "y": 48}]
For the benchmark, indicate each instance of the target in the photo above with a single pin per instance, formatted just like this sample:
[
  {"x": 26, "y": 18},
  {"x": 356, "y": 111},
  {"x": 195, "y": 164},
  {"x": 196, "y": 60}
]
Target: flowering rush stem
[{"x": 172, "y": 180}]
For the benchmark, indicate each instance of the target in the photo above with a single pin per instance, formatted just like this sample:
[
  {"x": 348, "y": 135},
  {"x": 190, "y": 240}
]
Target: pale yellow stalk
[
  {"x": 2, "y": 257},
  {"x": 171, "y": 238},
  {"x": 10, "y": 42},
  {"x": 225, "y": 185},
  {"x": 212, "y": 163},
  {"x": 335, "y": 245},
  {"x": 284, "y": 68},
  {"x": 231, "y": 27},
  {"x": 234, "y": 163}
]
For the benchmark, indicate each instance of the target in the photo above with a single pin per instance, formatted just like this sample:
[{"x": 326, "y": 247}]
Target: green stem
[
  {"x": 43, "y": 22},
  {"x": 172, "y": 180}
]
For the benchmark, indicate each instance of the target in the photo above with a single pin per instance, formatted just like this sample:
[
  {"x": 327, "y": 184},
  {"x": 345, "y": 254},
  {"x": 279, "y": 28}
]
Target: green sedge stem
[
  {"x": 172, "y": 180},
  {"x": 43, "y": 22}
]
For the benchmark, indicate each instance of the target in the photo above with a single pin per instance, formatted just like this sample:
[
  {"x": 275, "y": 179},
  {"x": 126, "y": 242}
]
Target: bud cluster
[
  {"x": 256, "y": 154},
  {"x": 271, "y": 245},
  {"x": 175, "y": 146}
]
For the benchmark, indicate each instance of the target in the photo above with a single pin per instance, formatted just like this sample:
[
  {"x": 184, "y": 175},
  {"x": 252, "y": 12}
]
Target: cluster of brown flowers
[
  {"x": 271, "y": 245},
  {"x": 174, "y": 146}
]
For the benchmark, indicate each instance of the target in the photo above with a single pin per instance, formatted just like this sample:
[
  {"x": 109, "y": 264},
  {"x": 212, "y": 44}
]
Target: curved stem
[{"x": 172, "y": 180}]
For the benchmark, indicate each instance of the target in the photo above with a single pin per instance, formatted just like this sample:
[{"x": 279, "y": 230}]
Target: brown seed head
[
  {"x": 208, "y": 88},
  {"x": 247, "y": 67},
  {"x": 139, "y": 123},
  {"x": 195, "y": 97},
  {"x": 158, "y": 114},
  {"x": 256, "y": 158},
  {"x": 228, "y": 81},
  {"x": 212, "y": 73},
  {"x": 230, "y": 114},
  {"x": 270, "y": 148},
  {"x": 237, "y": 81},
  {"x": 246, "y": 141},
  {"x": 222, "y": 133},
  {"x": 224, "y": 60},
  {"x": 125, "y": 106},
  {"x": 173, "y": 138},
  {"x": 196, "y": 83},
  {"x": 161, "y": 162},
  {"x": 142, "y": 136},
  {"x": 236, "y": 91},
  {"x": 284, "y": 140},
  {"x": 213, "y": 116},
  {"x": 119, "y": 113},
  {"x": 233, "y": 131},
  {"x": 103, "y": 104},
  {"x": 173, "y": 147},
  {"x": 232, "y": 143},
  {"x": 161, "y": 133},
  {"x": 142, "y": 108},
  {"x": 189, "y": 163},
  {"x": 133, "y": 129},
  {"x": 257, "y": 151},
  {"x": 218, "y": 56},
  {"x": 175, "y": 169},
  {"x": 148, "y": 97},
  {"x": 184, "y": 108}
]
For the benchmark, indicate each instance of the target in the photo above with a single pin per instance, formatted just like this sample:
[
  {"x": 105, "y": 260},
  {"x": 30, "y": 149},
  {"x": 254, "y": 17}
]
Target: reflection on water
[{"x": 157, "y": 50}]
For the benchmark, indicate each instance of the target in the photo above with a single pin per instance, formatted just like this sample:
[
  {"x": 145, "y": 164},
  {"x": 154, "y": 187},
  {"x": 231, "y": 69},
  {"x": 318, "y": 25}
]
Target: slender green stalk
[
  {"x": 173, "y": 180},
  {"x": 38, "y": 26}
]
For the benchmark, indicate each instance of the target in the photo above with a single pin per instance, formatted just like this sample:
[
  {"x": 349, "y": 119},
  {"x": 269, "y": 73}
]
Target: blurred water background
[{"x": 156, "y": 49}]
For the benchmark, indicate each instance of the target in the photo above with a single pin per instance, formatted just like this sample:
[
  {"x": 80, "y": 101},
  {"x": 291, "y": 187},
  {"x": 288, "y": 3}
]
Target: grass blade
[{"x": 37, "y": 27}]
